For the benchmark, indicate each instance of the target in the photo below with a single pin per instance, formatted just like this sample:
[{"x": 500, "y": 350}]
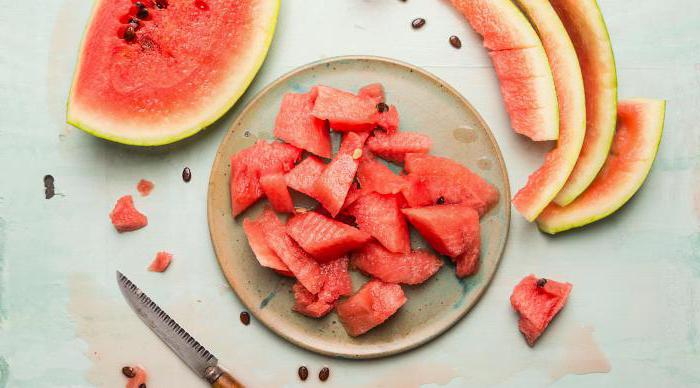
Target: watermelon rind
[
  {"x": 95, "y": 125},
  {"x": 622, "y": 175}
]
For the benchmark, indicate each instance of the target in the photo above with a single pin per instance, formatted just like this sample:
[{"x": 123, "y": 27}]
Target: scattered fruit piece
[
  {"x": 161, "y": 262},
  {"x": 255, "y": 231},
  {"x": 371, "y": 306},
  {"x": 125, "y": 217},
  {"x": 274, "y": 186},
  {"x": 538, "y": 304},
  {"x": 395, "y": 146},
  {"x": 144, "y": 187},
  {"x": 296, "y": 126},
  {"x": 139, "y": 376},
  {"x": 407, "y": 268},
  {"x": 324, "y": 238},
  {"x": 380, "y": 216}
]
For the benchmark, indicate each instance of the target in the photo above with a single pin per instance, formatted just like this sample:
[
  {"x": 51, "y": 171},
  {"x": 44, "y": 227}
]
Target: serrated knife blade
[{"x": 190, "y": 351}]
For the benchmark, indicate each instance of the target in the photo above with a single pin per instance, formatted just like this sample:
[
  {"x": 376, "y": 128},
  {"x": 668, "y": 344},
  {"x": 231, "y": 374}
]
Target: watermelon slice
[
  {"x": 303, "y": 177},
  {"x": 537, "y": 301},
  {"x": 337, "y": 283},
  {"x": 255, "y": 231},
  {"x": 529, "y": 96},
  {"x": 395, "y": 146},
  {"x": 640, "y": 123},
  {"x": 375, "y": 176},
  {"x": 380, "y": 216},
  {"x": 179, "y": 73},
  {"x": 274, "y": 186},
  {"x": 586, "y": 27},
  {"x": 324, "y": 238},
  {"x": 406, "y": 268},
  {"x": 125, "y": 217},
  {"x": 374, "y": 91},
  {"x": 432, "y": 179},
  {"x": 248, "y": 165},
  {"x": 349, "y": 112},
  {"x": 369, "y": 307},
  {"x": 161, "y": 262},
  {"x": 295, "y": 124},
  {"x": 544, "y": 184}
]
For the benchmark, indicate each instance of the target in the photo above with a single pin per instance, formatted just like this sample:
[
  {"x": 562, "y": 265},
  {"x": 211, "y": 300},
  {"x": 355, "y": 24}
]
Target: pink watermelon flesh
[
  {"x": 353, "y": 141},
  {"x": 373, "y": 304},
  {"x": 161, "y": 262},
  {"x": 140, "y": 377},
  {"x": 324, "y": 238},
  {"x": 125, "y": 217},
  {"x": 248, "y": 165},
  {"x": 467, "y": 263},
  {"x": 395, "y": 146},
  {"x": 255, "y": 231},
  {"x": 389, "y": 120},
  {"x": 349, "y": 112},
  {"x": 374, "y": 176},
  {"x": 374, "y": 91},
  {"x": 537, "y": 301},
  {"x": 308, "y": 304},
  {"x": 407, "y": 268},
  {"x": 145, "y": 187},
  {"x": 275, "y": 188},
  {"x": 431, "y": 178},
  {"x": 303, "y": 177},
  {"x": 380, "y": 216},
  {"x": 337, "y": 283},
  {"x": 296, "y": 126}
]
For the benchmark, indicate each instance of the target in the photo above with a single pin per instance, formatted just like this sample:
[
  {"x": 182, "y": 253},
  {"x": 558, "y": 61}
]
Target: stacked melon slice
[{"x": 556, "y": 69}]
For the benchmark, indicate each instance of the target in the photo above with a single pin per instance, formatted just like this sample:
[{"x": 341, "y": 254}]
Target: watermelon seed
[
  {"x": 382, "y": 107},
  {"x": 417, "y": 23},
  {"x": 303, "y": 373},
  {"x": 142, "y": 13},
  {"x": 324, "y": 374},
  {"x": 142, "y": 385},
  {"x": 129, "y": 34},
  {"x": 162, "y": 4},
  {"x": 441, "y": 200},
  {"x": 455, "y": 41},
  {"x": 139, "y": 4},
  {"x": 245, "y": 318},
  {"x": 186, "y": 174},
  {"x": 357, "y": 154},
  {"x": 541, "y": 282},
  {"x": 128, "y": 371},
  {"x": 49, "y": 190}
]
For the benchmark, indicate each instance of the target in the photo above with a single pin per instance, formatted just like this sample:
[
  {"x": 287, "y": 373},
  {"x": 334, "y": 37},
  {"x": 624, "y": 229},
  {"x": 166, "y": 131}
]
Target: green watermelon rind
[{"x": 187, "y": 132}]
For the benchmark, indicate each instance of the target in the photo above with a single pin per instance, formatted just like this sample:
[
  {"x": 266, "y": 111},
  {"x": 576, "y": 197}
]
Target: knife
[{"x": 196, "y": 356}]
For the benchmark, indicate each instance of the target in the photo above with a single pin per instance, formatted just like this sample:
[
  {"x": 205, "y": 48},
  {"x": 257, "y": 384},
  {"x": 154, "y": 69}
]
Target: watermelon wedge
[
  {"x": 530, "y": 98},
  {"x": 274, "y": 186},
  {"x": 640, "y": 123},
  {"x": 395, "y": 146},
  {"x": 173, "y": 74},
  {"x": 544, "y": 184},
  {"x": 295, "y": 124},
  {"x": 380, "y": 216},
  {"x": 407, "y": 268},
  {"x": 369, "y": 307},
  {"x": 255, "y": 231},
  {"x": 337, "y": 282},
  {"x": 125, "y": 217},
  {"x": 538, "y": 301},
  {"x": 303, "y": 177},
  {"x": 349, "y": 112},
  {"x": 324, "y": 238},
  {"x": 586, "y": 27}
]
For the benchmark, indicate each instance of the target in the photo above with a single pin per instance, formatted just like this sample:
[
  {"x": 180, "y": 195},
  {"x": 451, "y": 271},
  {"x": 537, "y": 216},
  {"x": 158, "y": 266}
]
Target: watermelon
[
  {"x": 369, "y": 307},
  {"x": 324, "y": 238},
  {"x": 374, "y": 91},
  {"x": 161, "y": 262},
  {"x": 255, "y": 231},
  {"x": 544, "y": 184},
  {"x": 337, "y": 282},
  {"x": 303, "y": 177},
  {"x": 640, "y": 123},
  {"x": 528, "y": 92},
  {"x": 248, "y": 165},
  {"x": 406, "y": 268},
  {"x": 537, "y": 301},
  {"x": 144, "y": 187},
  {"x": 140, "y": 377},
  {"x": 274, "y": 186},
  {"x": 586, "y": 27},
  {"x": 395, "y": 146},
  {"x": 178, "y": 71},
  {"x": 349, "y": 112},
  {"x": 308, "y": 304},
  {"x": 375, "y": 176},
  {"x": 432, "y": 179},
  {"x": 295, "y": 124},
  {"x": 125, "y": 217},
  {"x": 352, "y": 142},
  {"x": 380, "y": 216}
]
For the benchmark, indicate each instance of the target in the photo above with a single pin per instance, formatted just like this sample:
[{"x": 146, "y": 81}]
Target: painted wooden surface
[{"x": 636, "y": 276}]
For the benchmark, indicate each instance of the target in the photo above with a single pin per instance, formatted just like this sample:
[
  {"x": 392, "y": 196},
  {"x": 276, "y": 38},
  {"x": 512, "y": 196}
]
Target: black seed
[
  {"x": 245, "y": 318},
  {"x": 303, "y": 373},
  {"x": 129, "y": 34},
  {"x": 418, "y": 23},
  {"x": 246, "y": 133},
  {"x": 139, "y": 4},
  {"x": 455, "y": 42},
  {"x": 382, "y": 107},
  {"x": 440, "y": 201},
  {"x": 324, "y": 374},
  {"x": 541, "y": 282},
  {"x": 186, "y": 174},
  {"x": 142, "y": 385},
  {"x": 49, "y": 190},
  {"x": 142, "y": 13},
  {"x": 134, "y": 26},
  {"x": 128, "y": 371},
  {"x": 134, "y": 21},
  {"x": 162, "y": 4}
]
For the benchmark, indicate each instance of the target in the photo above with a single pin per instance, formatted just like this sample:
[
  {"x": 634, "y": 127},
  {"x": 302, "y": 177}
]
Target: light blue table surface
[{"x": 63, "y": 323}]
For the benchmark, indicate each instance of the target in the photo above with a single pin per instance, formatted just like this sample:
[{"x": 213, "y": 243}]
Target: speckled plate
[{"x": 426, "y": 104}]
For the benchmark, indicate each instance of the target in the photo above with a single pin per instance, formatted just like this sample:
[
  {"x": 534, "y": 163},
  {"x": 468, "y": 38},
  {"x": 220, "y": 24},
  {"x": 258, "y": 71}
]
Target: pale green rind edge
[
  {"x": 157, "y": 141},
  {"x": 553, "y": 228}
]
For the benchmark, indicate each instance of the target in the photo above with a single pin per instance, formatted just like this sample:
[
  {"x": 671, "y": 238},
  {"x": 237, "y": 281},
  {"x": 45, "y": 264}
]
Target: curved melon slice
[
  {"x": 640, "y": 123},
  {"x": 186, "y": 66},
  {"x": 544, "y": 184},
  {"x": 521, "y": 65},
  {"x": 586, "y": 27}
]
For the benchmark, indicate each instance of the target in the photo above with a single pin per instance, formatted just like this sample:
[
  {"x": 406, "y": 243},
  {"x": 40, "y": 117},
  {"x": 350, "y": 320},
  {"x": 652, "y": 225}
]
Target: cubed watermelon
[
  {"x": 125, "y": 217},
  {"x": 374, "y": 91},
  {"x": 255, "y": 231},
  {"x": 296, "y": 126},
  {"x": 337, "y": 282},
  {"x": 303, "y": 177},
  {"x": 389, "y": 120},
  {"x": 373, "y": 304},
  {"x": 324, "y": 238},
  {"x": 537, "y": 301},
  {"x": 395, "y": 146},
  {"x": 407, "y": 268},
  {"x": 275, "y": 188},
  {"x": 161, "y": 262},
  {"x": 380, "y": 216},
  {"x": 349, "y": 112},
  {"x": 375, "y": 176}
]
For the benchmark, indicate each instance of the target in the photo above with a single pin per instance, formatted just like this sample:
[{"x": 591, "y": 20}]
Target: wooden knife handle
[{"x": 226, "y": 381}]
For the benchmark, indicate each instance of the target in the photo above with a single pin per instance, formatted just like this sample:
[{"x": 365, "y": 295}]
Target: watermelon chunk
[
  {"x": 140, "y": 377},
  {"x": 303, "y": 177},
  {"x": 308, "y": 304},
  {"x": 374, "y": 91},
  {"x": 537, "y": 301},
  {"x": 255, "y": 231},
  {"x": 324, "y": 238},
  {"x": 144, "y": 187},
  {"x": 374, "y": 176},
  {"x": 349, "y": 112},
  {"x": 407, "y": 268},
  {"x": 431, "y": 178},
  {"x": 248, "y": 165},
  {"x": 371, "y": 306},
  {"x": 353, "y": 141},
  {"x": 161, "y": 262},
  {"x": 275, "y": 188},
  {"x": 337, "y": 283},
  {"x": 395, "y": 146},
  {"x": 295, "y": 124},
  {"x": 380, "y": 216},
  {"x": 389, "y": 120},
  {"x": 125, "y": 217}
]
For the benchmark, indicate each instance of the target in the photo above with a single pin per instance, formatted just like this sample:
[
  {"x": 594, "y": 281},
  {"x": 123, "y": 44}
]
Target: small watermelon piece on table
[
  {"x": 255, "y": 232},
  {"x": 303, "y": 177},
  {"x": 370, "y": 306},
  {"x": 324, "y": 238},
  {"x": 394, "y": 146},
  {"x": 295, "y": 124},
  {"x": 125, "y": 217},
  {"x": 350, "y": 112},
  {"x": 380, "y": 216},
  {"x": 274, "y": 187},
  {"x": 406, "y": 268},
  {"x": 337, "y": 283}
]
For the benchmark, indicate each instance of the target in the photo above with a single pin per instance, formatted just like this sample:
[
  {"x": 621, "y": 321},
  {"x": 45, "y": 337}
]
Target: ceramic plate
[{"x": 426, "y": 104}]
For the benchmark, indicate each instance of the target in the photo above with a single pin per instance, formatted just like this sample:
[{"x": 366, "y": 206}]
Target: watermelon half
[
  {"x": 544, "y": 184},
  {"x": 640, "y": 123},
  {"x": 586, "y": 27},
  {"x": 184, "y": 68}
]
